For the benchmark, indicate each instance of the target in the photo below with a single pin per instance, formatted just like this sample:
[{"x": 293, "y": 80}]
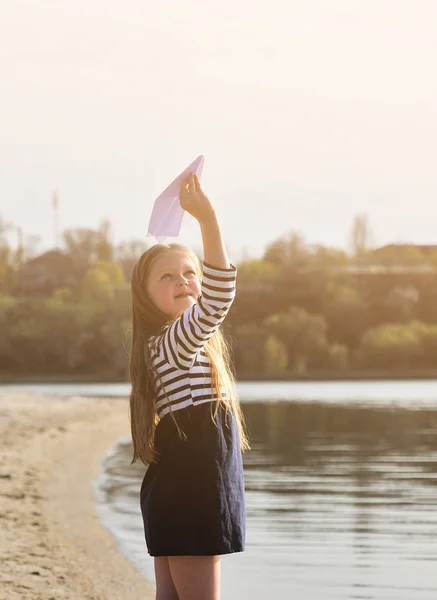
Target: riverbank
[
  {"x": 52, "y": 545},
  {"x": 323, "y": 375}
]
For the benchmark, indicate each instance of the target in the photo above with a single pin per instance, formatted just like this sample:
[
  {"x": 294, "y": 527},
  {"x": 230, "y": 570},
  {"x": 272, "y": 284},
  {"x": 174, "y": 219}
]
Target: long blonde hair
[{"x": 148, "y": 320}]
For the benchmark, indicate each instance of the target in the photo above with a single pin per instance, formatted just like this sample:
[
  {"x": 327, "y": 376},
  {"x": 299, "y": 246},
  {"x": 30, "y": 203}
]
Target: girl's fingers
[
  {"x": 190, "y": 185},
  {"x": 192, "y": 182},
  {"x": 196, "y": 183}
]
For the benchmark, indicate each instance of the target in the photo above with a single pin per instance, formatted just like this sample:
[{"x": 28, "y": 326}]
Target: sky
[{"x": 308, "y": 112}]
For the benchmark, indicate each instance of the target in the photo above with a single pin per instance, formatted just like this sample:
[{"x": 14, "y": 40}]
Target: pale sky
[{"x": 307, "y": 112}]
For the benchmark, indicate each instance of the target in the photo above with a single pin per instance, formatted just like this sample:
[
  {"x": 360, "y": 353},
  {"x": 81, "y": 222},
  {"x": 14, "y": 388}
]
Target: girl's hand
[{"x": 194, "y": 201}]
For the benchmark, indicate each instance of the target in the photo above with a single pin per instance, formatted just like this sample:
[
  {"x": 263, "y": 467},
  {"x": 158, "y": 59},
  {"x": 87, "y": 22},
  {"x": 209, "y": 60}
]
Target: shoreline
[
  {"x": 52, "y": 543},
  {"x": 372, "y": 375}
]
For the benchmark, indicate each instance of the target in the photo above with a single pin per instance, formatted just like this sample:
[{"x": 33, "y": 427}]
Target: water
[
  {"x": 341, "y": 487},
  {"x": 417, "y": 393},
  {"x": 341, "y": 504}
]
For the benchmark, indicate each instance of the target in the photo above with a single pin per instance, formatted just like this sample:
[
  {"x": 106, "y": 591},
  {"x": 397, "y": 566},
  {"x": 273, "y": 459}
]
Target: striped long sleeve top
[{"x": 177, "y": 352}]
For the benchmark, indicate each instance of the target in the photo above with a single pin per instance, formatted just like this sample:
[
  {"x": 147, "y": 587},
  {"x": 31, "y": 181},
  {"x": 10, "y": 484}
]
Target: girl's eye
[{"x": 169, "y": 274}]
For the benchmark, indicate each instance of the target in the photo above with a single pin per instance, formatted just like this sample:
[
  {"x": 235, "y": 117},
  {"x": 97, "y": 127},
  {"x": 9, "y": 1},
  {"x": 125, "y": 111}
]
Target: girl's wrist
[{"x": 209, "y": 218}]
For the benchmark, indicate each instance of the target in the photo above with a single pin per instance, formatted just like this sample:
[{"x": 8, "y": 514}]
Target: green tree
[
  {"x": 391, "y": 346},
  {"x": 289, "y": 250},
  {"x": 346, "y": 314},
  {"x": 338, "y": 357},
  {"x": 275, "y": 356},
  {"x": 257, "y": 273},
  {"x": 304, "y": 337},
  {"x": 328, "y": 258},
  {"x": 97, "y": 286},
  {"x": 428, "y": 342},
  {"x": 100, "y": 282},
  {"x": 249, "y": 355},
  {"x": 113, "y": 270},
  {"x": 87, "y": 246}
]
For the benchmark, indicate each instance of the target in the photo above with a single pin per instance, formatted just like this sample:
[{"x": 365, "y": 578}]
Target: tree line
[{"x": 301, "y": 310}]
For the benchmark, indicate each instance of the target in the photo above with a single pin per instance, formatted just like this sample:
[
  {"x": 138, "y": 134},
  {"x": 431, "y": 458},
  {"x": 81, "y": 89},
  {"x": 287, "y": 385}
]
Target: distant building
[
  {"x": 400, "y": 259},
  {"x": 44, "y": 274},
  {"x": 425, "y": 249}
]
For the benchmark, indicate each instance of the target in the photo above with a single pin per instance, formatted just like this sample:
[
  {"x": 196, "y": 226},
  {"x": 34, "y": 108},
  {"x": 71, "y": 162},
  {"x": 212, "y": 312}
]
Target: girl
[{"x": 186, "y": 421}]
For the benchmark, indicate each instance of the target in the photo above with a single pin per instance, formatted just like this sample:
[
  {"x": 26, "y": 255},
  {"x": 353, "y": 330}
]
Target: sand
[{"x": 52, "y": 544}]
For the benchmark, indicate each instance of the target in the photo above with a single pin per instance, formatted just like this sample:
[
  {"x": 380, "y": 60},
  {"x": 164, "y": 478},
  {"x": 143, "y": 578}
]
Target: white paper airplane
[{"x": 167, "y": 215}]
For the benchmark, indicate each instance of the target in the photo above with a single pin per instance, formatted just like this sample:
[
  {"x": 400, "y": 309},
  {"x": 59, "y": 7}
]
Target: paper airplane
[{"x": 167, "y": 215}]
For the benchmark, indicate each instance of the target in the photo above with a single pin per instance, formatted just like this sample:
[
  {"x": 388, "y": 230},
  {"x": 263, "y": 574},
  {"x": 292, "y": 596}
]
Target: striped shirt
[{"x": 177, "y": 352}]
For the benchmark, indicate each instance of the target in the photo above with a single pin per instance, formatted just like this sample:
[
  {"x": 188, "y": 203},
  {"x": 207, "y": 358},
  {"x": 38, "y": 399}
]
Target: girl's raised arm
[
  {"x": 194, "y": 201},
  {"x": 181, "y": 341}
]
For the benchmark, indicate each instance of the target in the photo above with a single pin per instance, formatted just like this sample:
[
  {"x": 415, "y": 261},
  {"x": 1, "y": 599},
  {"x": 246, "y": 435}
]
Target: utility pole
[{"x": 55, "y": 205}]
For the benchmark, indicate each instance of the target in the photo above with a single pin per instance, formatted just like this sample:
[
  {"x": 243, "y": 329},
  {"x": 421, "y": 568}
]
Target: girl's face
[{"x": 173, "y": 283}]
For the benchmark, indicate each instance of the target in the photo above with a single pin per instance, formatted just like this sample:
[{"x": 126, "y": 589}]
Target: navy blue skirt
[{"x": 192, "y": 500}]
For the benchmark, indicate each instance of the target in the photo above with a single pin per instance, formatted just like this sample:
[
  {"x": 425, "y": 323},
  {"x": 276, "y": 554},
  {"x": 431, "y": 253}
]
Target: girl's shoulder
[{"x": 155, "y": 337}]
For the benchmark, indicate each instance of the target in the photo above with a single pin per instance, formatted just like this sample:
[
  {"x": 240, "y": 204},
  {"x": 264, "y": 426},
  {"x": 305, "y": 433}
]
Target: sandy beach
[{"x": 52, "y": 544}]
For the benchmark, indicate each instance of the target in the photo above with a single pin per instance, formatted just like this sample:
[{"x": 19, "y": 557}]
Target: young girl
[{"x": 186, "y": 421}]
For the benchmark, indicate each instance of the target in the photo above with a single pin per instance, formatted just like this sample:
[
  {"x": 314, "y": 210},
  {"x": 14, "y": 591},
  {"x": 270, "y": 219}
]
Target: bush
[
  {"x": 399, "y": 346},
  {"x": 275, "y": 356}
]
